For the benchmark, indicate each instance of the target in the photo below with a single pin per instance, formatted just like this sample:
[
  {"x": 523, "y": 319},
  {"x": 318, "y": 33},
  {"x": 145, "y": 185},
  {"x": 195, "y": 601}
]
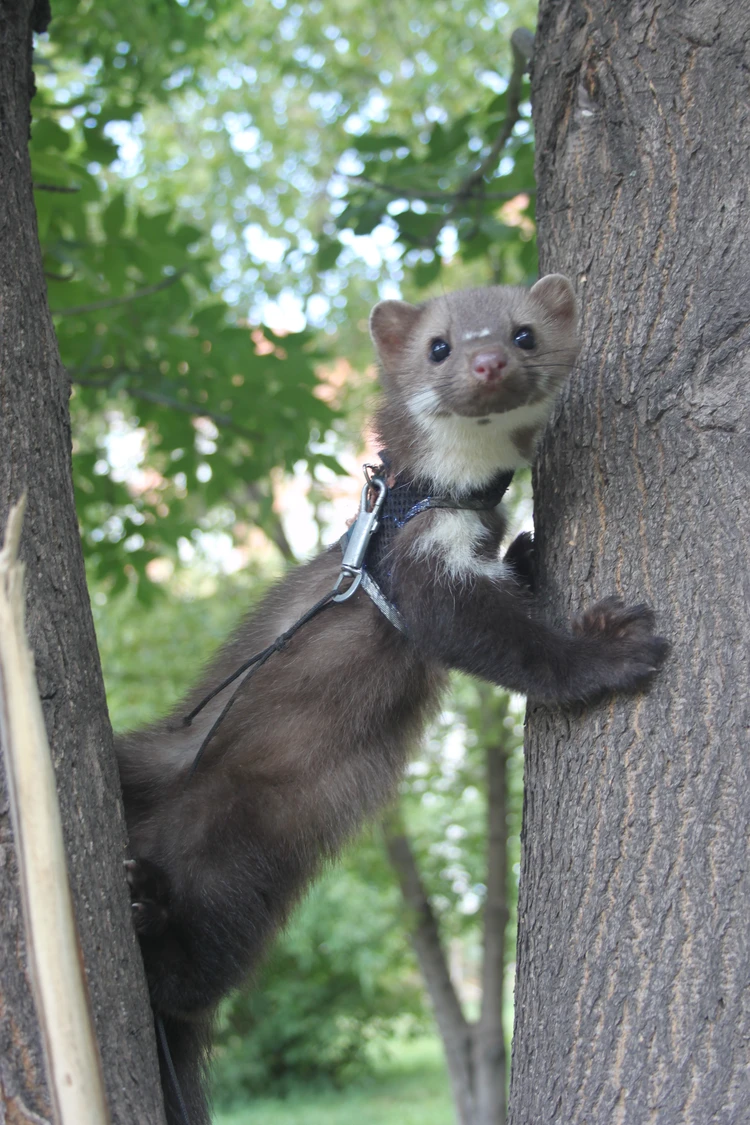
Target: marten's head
[{"x": 470, "y": 377}]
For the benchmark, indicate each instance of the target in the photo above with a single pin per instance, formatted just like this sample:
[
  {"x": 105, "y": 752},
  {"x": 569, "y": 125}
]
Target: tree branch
[
  {"x": 489, "y": 1037},
  {"x": 276, "y": 530},
  {"x": 193, "y": 408},
  {"x": 55, "y": 187},
  {"x": 455, "y": 1032},
  {"x": 113, "y": 302},
  {"x": 437, "y": 196},
  {"x": 522, "y": 45}
]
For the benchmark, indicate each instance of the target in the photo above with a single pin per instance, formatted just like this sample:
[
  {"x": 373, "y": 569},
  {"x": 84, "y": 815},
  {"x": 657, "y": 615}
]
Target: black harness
[{"x": 402, "y": 501}]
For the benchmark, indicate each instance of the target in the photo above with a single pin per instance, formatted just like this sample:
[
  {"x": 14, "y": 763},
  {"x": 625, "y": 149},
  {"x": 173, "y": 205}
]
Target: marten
[{"x": 317, "y": 740}]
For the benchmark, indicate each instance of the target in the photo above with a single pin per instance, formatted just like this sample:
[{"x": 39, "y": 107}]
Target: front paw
[
  {"x": 630, "y": 653},
  {"x": 149, "y": 896},
  {"x": 520, "y": 556}
]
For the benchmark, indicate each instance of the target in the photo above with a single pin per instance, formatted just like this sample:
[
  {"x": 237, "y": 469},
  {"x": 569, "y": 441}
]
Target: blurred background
[{"x": 224, "y": 189}]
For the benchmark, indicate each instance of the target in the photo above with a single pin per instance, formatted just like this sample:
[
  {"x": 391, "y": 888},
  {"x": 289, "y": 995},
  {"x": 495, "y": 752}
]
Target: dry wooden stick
[{"x": 73, "y": 1066}]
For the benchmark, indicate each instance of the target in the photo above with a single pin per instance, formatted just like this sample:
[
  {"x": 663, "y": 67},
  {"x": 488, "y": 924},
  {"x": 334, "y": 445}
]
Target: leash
[
  {"x": 253, "y": 664},
  {"x": 164, "y": 1044},
  {"x": 361, "y": 532},
  {"x": 405, "y": 500}
]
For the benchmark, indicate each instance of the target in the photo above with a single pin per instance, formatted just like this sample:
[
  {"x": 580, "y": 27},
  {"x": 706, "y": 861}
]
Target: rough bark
[
  {"x": 35, "y": 455},
  {"x": 632, "y": 998}
]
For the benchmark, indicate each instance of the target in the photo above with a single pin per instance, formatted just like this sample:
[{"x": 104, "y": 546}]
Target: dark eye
[
  {"x": 524, "y": 338},
  {"x": 439, "y": 350}
]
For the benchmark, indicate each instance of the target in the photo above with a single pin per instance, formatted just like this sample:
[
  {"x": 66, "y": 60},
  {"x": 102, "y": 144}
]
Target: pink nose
[{"x": 488, "y": 366}]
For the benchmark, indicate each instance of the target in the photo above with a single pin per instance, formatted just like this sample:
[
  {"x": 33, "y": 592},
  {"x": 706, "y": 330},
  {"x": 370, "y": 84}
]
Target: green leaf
[
  {"x": 445, "y": 141},
  {"x": 46, "y": 134},
  {"x": 424, "y": 273},
  {"x": 498, "y": 105},
  {"x": 113, "y": 218},
  {"x": 153, "y": 229},
  {"x": 327, "y": 255},
  {"x": 185, "y": 235},
  {"x": 366, "y": 218},
  {"x": 374, "y": 143},
  {"x": 100, "y": 148},
  {"x": 52, "y": 168},
  {"x": 475, "y": 247},
  {"x": 418, "y": 228}
]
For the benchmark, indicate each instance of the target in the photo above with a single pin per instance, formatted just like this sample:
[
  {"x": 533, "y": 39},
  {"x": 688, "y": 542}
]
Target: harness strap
[
  {"x": 388, "y": 609},
  {"x": 404, "y": 500}
]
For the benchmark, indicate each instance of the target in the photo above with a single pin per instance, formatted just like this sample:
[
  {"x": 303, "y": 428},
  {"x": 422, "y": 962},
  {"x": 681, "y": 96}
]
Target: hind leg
[
  {"x": 194, "y": 951},
  {"x": 149, "y": 896}
]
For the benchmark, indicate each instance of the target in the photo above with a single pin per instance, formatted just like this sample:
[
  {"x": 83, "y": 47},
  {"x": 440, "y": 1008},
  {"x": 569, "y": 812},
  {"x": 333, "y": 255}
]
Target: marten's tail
[{"x": 183, "y": 1062}]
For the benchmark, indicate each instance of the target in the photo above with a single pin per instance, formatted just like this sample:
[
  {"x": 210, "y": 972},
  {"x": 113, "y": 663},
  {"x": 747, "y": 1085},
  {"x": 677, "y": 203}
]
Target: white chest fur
[
  {"x": 454, "y": 542},
  {"x": 460, "y": 453}
]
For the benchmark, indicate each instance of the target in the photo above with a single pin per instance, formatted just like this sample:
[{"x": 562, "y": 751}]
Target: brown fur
[{"x": 525, "y": 439}]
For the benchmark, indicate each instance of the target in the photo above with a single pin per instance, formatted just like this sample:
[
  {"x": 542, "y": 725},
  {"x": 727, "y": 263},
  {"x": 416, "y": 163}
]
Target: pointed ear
[
  {"x": 555, "y": 294},
  {"x": 391, "y": 324}
]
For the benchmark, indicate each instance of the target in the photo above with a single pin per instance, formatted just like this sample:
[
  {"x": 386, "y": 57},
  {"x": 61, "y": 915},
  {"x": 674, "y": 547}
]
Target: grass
[{"x": 411, "y": 1088}]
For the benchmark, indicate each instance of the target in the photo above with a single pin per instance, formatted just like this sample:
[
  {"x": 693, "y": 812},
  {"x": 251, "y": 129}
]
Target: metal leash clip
[{"x": 362, "y": 530}]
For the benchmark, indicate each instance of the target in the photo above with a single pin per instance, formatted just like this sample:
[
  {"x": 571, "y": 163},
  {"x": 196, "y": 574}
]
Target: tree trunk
[
  {"x": 633, "y": 960},
  {"x": 488, "y": 1033},
  {"x": 35, "y": 455},
  {"x": 455, "y": 1031},
  {"x": 474, "y": 1052}
]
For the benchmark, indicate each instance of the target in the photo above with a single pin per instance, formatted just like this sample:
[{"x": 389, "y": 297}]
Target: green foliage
[
  {"x": 409, "y": 1087},
  {"x": 341, "y": 978},
  {"x": 151, "y": 654},
  {"x": 268, "y": 134},
  {"x": 445, "y": 180},
  {"x": 150, "y": 349}
]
